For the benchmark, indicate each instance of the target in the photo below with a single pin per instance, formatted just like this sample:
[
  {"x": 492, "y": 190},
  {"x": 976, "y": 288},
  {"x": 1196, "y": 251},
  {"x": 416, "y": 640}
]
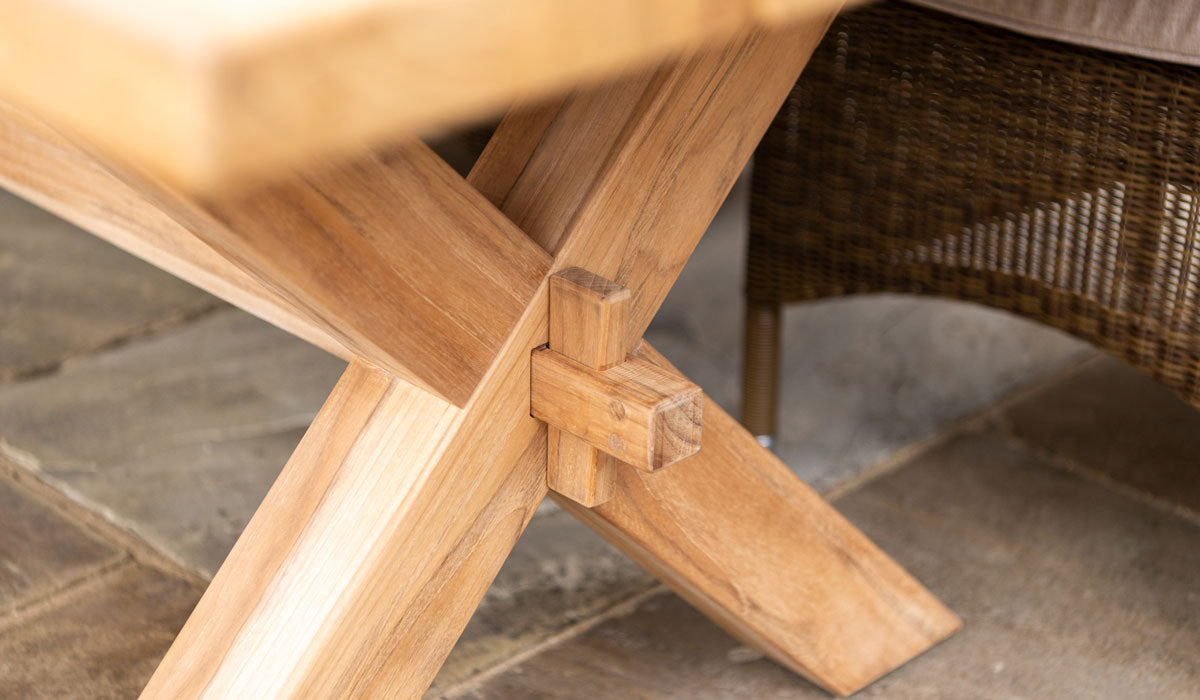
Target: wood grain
[
  {"x": 45, "y": 168},
  {"x": 734, "y": 532},
  {"x": 752, "y": 580},
  {"x": 209, "y": 94},
  {"x": 318, "y": 252},
  {"x": 646, "y": 158},
  {"x": 385, "y": 528},
  {"x": 636, "y": 411},
  {"x": 588, "y": 315},
  {"x": 392, "y": 254},
  {"x": 378, "y": 628},
  {"x": 578, "y": 471}
]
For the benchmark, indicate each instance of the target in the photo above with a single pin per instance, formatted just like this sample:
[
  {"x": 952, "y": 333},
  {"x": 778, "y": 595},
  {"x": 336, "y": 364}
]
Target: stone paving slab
[
  {"x": 101, "y": 641},
  {"x": 63, "y": 292},
  {"x": 863, "y": 376},
  {"x": 558, "y": 574},
  {"x": 178, "y": 436},
  {"x": 1067, "y": 590},
  {"x": 41, "y": 550},
  {"x": 1111, "y": 419}
]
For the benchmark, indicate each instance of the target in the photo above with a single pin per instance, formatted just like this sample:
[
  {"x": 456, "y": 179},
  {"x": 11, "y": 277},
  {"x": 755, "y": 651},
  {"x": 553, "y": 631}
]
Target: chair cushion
[{"x": 1167, "y": 30}]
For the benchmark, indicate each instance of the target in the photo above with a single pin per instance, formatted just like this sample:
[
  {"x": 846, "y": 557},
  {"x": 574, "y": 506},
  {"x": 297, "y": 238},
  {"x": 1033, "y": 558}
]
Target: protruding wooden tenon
[{"x": 602, "y": 405}]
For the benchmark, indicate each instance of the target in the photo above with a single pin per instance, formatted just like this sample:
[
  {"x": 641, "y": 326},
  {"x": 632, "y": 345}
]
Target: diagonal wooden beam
[
  {"x": 391, "y": 253},
  {"x": 388, "y": 523},
  {"x": 646, "y": 158},
  {"x": 390, "y": 256},
  {"x": 735, "y": 533},
  {"x": 730, "y": 529},
  {"x": 371, "y": 551},
  {"x": 42, "y": 166}
]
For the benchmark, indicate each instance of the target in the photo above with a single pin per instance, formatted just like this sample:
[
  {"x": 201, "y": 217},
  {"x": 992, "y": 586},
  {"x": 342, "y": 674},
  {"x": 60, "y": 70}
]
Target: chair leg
[{"x": 760, "y": 371}]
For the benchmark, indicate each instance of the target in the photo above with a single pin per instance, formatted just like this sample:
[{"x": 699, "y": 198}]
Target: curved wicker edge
[{"x": 922, "y": 153}]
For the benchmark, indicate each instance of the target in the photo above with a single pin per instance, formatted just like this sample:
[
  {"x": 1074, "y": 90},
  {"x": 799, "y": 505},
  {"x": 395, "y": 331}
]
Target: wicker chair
[{"x": 929, "y": 154}]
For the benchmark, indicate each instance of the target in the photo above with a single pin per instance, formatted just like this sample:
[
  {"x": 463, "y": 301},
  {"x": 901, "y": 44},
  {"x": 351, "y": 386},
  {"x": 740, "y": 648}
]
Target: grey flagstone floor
[{"x": 1048, "y": 494}]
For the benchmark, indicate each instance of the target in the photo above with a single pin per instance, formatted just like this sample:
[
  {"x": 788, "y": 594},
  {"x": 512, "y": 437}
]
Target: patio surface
[{"x": 1048, "y": 494}]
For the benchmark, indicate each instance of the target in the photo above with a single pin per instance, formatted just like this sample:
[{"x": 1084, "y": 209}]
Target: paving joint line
[
  {"x": 976, "y": 421},
  {"x": 620, "y": 609},
  {"x": 1077, "y": 468},
  {"x": 133, "y": 546},
  {"x": 158, "y": 327},
  {"x": 18, "y": 614},
  {"x": 31, "y": 609}
]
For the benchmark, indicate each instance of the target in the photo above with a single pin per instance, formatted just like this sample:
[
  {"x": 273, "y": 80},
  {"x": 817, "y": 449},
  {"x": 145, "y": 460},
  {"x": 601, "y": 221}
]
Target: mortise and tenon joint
[{"x": 604, "y": 407}]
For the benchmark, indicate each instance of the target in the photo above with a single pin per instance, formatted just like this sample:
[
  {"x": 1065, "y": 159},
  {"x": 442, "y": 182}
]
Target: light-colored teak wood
[
  {"x": 636, "y": 411},
  {"x": 553, "y": 185},
  {"x": 647, "y": 157},
  {"x": 734, "y": 532},
  {"x": 380, "y": 632},
  {"x": 578, "y": 471},
  {"x": 352, "y": 652},
  {"x": 320, "y": 252},
  {"x": 39, "y": 164},
  {"x": 208, "y": 92},
  {"x": 588, "y": 315},
  {"x": 366, "y": 559},
  {"x": 392, "y": 254}
]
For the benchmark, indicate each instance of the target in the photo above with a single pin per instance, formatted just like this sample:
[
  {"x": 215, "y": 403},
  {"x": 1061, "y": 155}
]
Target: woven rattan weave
[{"x": 928, "y": 154}]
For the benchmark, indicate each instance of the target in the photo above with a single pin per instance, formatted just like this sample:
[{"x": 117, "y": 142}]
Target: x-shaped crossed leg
[{"x": 371, "y": 551}]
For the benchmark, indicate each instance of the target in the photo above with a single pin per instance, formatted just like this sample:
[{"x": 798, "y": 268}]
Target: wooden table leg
[
  {"x": 369, "y": 554},
  {"x": 730, "y": 528},
  {"x": 364, "y": 562}
]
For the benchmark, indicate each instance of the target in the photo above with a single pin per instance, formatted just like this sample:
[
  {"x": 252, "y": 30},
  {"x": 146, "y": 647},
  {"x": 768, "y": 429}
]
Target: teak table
[{"x": 261, "y": 151}]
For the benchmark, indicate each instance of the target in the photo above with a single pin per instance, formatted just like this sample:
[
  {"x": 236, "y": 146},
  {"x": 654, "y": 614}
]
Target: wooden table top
[{"x": 205, "y": 92}]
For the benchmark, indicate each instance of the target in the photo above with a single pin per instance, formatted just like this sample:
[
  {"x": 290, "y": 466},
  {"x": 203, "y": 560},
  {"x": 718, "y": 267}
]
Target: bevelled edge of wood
[
  {"x": 210, "y": 96},
  {"x": 677, "y": 429},
  {"x": 602, "y": 289}
]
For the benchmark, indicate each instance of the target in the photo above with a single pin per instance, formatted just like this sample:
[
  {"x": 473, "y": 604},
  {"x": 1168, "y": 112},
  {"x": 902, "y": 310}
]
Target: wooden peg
[
  {"x": 602, "y": 406},
  {"x": 588, "y": 316},
  {"x": 638, "y": 412}
]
